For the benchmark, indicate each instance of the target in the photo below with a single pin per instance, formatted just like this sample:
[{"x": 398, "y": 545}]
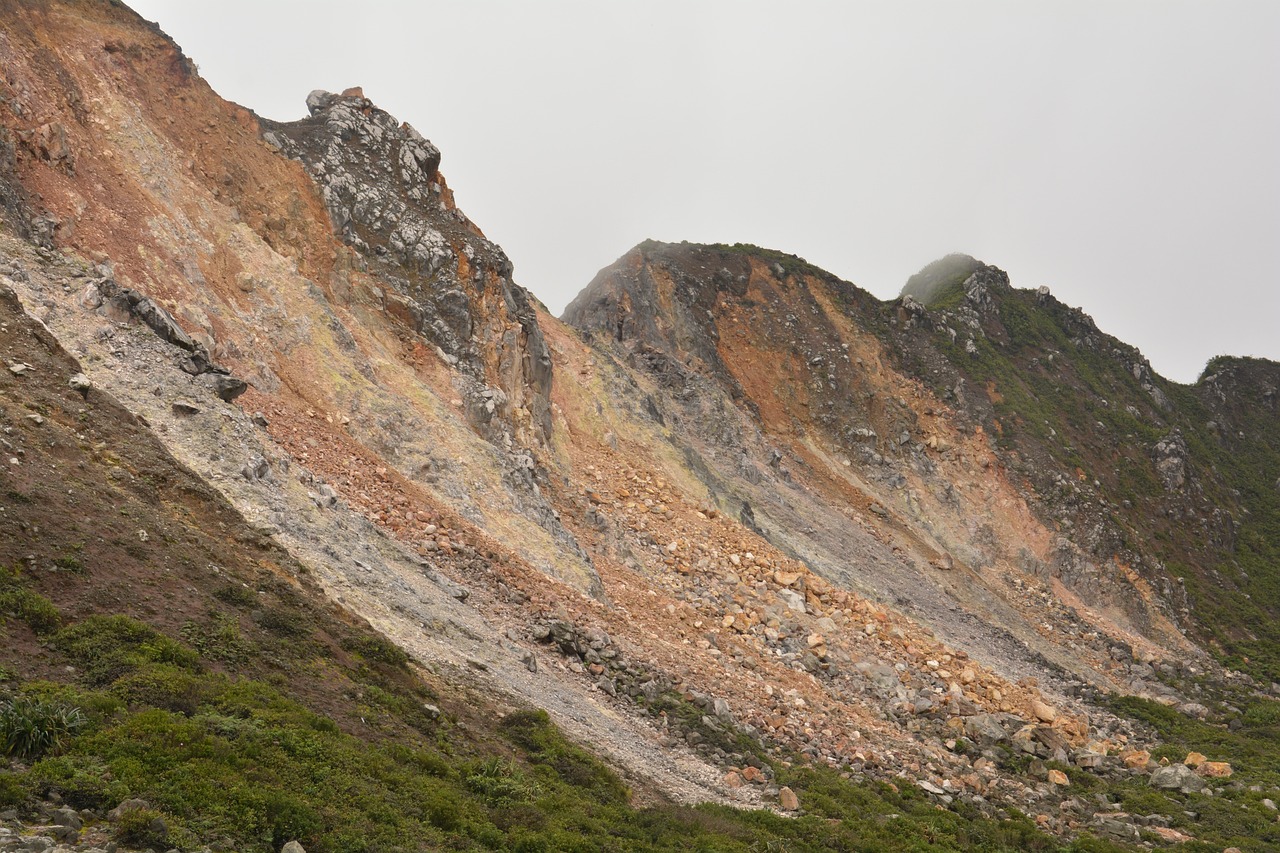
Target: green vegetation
[
  {"x": 19, "y": 601},
  {"x": 1062, "y": 394},
  {"x": 791, "y": 264},
  {"x": 1236, "y": 818},
  {"x": 221, "y": 757},
  {"x": 376, "y": 648},
  {"x": 31, "y": 727},
  {"x": 938, "y": 284}
]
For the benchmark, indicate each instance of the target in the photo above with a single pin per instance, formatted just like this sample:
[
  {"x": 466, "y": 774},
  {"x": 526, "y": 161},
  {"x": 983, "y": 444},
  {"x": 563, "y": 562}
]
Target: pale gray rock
[{"x": 1177, "y": 777}]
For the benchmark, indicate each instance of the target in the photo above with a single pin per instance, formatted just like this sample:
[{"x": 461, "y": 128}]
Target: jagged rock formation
[
  {"x": 380, "y": 181},
  {"x": 758, "y": 516}
]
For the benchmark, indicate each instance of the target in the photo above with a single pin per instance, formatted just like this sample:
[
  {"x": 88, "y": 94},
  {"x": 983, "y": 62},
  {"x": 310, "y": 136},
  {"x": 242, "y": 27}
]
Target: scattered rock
[
  {"x": 1117, "y": 825},
  {"x": 81, "y": 384},
  {"x": 1194, "y": 709},
  {"x": 1178, "y": 777},
  {"x": 256, "y": 469},
  {"x": 228, "y": 387},
  {"x": 787, "y": 799},
  {"x": 125, "y": 807},
  {"x": 1215, "y": 770}
]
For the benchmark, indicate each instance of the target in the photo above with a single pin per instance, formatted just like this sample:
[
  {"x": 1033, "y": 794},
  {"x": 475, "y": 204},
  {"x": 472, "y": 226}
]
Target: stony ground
[{"x": 695, "y": 607}]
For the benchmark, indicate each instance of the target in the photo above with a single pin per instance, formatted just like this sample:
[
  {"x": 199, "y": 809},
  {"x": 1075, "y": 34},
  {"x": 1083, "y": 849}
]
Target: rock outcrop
[
  {"x": 759, "y": 517},
  {"x": 381, "y": 183}
]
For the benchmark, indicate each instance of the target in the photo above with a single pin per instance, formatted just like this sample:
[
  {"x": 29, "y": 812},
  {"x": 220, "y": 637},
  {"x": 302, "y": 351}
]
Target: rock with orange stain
[
  {"x": 1135, "y": 759},
  {"x": 1215, "y": 769}
]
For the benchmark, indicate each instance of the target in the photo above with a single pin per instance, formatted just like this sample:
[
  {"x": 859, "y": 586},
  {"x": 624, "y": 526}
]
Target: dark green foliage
[
  {"x": 938, "y": 284},
  {"x": 286, "y": 623},
  {"x": 12, "y": 790},
  {"x": 31, "y": 727},
  {"x": 236, "y": 595},
  {"x": 1234, "y": 818},
  {"x": 81, "y": 783},
  {"x": 107, "y": 647},
  {"x": 256, "y": 767},
  {"x": 547, "y": 748},
  {"x": 142, "y": 828},
  {"x": 376, "y": 648},
  {"x": 1253, "y": 749},
  {"x": 162, "y": 686},
  {"x": 71, "y": 563},
  {"x": 218, "y": 639},
  {"x": 28, "y": 606}
]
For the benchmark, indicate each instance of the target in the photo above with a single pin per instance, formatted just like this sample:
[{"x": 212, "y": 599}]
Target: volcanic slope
[{"x": 730, "y": 526}]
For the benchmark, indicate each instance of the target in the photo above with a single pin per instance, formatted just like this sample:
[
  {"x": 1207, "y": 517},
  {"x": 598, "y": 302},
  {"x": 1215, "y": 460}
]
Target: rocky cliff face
[
  {"x": 381, "y": 183},
  {"x": 759, "y": 516},
  {"x": 1079, "y": 444}
]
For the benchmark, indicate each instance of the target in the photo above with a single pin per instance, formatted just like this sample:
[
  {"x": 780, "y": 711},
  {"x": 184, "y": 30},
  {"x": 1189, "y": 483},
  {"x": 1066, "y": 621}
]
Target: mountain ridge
[{"x": 751, "y": 535}]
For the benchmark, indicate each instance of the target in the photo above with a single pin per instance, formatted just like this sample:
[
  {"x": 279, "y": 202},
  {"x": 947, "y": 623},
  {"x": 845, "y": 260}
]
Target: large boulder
[{"x": 1177, "y": 777}]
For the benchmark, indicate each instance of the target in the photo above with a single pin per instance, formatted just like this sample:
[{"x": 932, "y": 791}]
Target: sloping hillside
[{"x": 333, "y": 511}]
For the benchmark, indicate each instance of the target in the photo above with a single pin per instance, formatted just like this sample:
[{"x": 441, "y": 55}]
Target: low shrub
[
  {"x": 162, "y": 686},
  {"x": 107, "y": 647},
  {"x": 31, "y": 727},
  {"x": 142, "y": 828},
  {"x": 29, "y": 606},
  {"x": 236, "y": 595},
  {"x": 379, "y": 649}
]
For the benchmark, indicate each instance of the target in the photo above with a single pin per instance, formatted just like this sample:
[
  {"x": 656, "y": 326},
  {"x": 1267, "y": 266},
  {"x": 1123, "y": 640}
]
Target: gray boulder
[
  {"x": 1177, "y": 777},
  {"x": 228, "y": 387}
]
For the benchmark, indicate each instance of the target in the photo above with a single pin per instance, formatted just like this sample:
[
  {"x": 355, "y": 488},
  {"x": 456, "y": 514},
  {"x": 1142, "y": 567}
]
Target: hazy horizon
[{"x": 1126, "y": 155}]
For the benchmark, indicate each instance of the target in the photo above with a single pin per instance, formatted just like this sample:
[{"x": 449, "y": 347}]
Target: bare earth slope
[{"x": 731, "y": 514}]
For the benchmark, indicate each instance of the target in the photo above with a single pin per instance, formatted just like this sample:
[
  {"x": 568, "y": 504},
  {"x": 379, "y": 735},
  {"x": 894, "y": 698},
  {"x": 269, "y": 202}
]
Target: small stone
[
  {"x": 80, "y": 383},
  {"x": 125, "y": 807},
  {"x": 788, "y": 800},
  {"x": 1057, "y": 777},
  {"x": 1170, "y": 836},
  {"x": 67, "y": 817},
  {"x": 1045, "y": 713},
  {"x": 183, "y": 409},
  {"x": 1215, "y": 769},
  {"x": 17, "y": 368},
  {"x": 1135, "y": 759},
  {"x": 1194, "y": 759},
  {"x": 227, "y": 388},
  {"x": 733, "y": 780},
  {"x": 1194, "y": 709},
  {"x": 292, "y": 847}
]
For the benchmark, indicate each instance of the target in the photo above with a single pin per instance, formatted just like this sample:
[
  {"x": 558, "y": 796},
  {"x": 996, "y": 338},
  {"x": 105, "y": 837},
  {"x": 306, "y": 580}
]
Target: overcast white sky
[{"x": 1126, "y": 154}]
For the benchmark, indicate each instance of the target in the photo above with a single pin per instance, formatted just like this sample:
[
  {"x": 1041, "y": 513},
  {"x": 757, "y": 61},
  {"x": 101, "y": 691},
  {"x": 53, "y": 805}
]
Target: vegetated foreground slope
[{"x": 745, "y": 532}]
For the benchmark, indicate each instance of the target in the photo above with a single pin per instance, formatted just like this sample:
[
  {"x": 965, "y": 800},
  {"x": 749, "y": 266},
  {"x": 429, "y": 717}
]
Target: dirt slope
[{"x": 730, "y": 495}]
